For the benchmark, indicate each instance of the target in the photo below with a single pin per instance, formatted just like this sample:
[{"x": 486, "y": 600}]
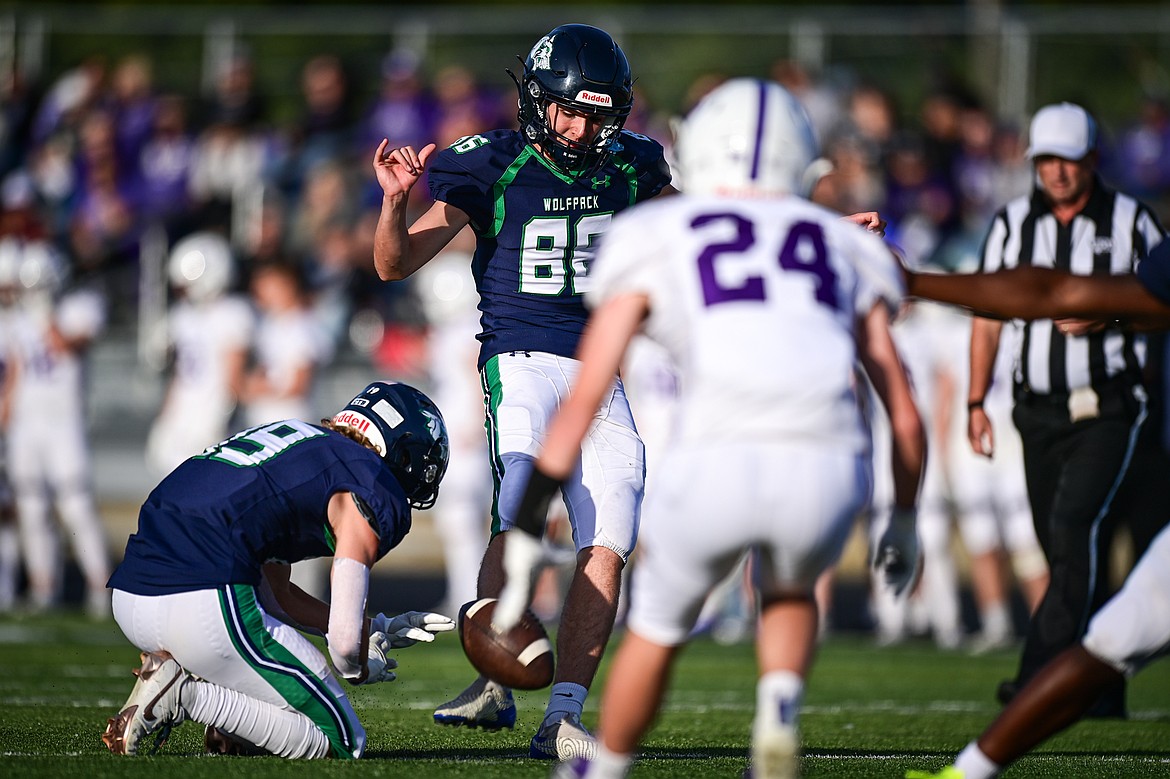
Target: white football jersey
[
  {"x": 757, "y": 302},
  {"x": 203, "y": 336}
]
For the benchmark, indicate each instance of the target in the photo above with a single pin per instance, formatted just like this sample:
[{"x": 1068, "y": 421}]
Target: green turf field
[{"x": 868, "y": 713}]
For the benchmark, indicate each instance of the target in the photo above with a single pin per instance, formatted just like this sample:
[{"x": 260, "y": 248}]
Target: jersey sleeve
[
  {"x": 648, "y": 159},
  {"x": 632, "y": 256},
  {"x": 458, "y": 178},
  {"x": 1154, "y": 272}
]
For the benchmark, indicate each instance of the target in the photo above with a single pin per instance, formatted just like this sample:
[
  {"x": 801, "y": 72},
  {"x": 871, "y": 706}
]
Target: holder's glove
[
  {"x": 380, "y": 668},
  {"x": 412, "y": 627}
]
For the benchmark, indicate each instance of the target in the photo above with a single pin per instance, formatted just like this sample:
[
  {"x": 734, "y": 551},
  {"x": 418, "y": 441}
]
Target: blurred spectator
[
  {"x": 821, "y": 103},
  {"x": 132, "y": 105},
  {"x": 463, "y": 107},
  {"x": 404, "y": 110},
  {"x": 104, "y": 225},
  {"x": 1142, "y": 163},
  {"x": 235, "y": 98},
  {"x": 164, "y": 165},
  {"x": 67, "y": 100},
  {"x": 323, "y": 130}
]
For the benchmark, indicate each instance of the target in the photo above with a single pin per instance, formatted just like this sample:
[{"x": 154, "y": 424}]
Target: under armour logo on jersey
[{"x": 600, "y": 182}]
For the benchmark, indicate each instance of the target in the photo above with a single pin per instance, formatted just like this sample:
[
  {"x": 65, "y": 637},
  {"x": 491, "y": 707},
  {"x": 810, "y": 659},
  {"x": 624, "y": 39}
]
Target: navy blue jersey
[
  {"x": 536, "y": 229},
  {"x": 1154, "y": 272},
  {"x": 258, "y": 497}
]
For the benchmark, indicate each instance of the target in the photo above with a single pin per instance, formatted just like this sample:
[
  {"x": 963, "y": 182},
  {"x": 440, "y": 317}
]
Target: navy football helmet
[
  {"x": 583, "y": 69},
  {"x": 409, "y": 433}
]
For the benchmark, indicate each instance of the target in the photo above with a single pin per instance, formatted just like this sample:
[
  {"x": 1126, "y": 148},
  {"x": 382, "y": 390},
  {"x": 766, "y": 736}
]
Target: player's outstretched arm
[
  {"x": 398, "y": 250},
  {"x": 1043, "y": 293}
]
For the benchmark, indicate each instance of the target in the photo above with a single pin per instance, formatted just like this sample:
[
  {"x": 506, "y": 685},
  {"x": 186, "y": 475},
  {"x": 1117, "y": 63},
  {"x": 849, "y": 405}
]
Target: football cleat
[
  {"x": 775, "y": 754},
  {"x": 950, "y": 772},
  {"x": 484, "y": 704},
  {"x": 153, "y": 706},
  {"x": 563, "y": 739}
]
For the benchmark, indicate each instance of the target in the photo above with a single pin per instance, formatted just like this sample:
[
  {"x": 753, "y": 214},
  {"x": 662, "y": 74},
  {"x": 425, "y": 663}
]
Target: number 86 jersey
[
  {"x": 536, "y": 230},
  {"x": 758, "y": 302}
]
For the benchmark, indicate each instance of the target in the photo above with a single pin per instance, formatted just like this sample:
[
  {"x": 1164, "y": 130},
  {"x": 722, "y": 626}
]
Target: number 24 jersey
[
  {"x": 757, "y": 301},
  {"x": 536, "y": 231}
]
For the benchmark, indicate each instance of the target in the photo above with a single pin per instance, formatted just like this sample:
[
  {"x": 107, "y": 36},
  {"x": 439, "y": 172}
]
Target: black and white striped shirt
[{"x": 1110, "y": 235}]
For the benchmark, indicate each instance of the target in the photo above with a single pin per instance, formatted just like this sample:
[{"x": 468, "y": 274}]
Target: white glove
[
  {"x": 380, "y": 668},
  {"x": 524, "y": 558},
  {"x": 410, "y": 628},
  {"x": 895, "y": 556}
]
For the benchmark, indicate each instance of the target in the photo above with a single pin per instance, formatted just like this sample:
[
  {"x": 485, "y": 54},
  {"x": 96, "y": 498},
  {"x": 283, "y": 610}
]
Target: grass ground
[{"x": 868, "y": 713}]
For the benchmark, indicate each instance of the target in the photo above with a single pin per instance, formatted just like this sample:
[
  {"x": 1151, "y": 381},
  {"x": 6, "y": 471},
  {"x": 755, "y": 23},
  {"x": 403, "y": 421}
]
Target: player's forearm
[
  {"x": 984, "y": 346},
  {"x": 392, "y": 240},
  {"x": 1026, "y": 292}
]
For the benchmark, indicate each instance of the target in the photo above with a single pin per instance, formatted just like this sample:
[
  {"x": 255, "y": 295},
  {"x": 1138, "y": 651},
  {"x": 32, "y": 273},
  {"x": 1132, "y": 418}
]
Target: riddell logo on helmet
[
  {"x": 594, "y": 98},
  {"x": 350, "y": 419}
]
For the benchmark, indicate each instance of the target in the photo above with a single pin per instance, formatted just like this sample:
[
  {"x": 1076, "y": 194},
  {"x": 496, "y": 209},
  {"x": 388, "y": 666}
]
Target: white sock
[
  {"x": 564, "y": 698},
  {"x": 282, "y": 732},
  {"x": 997, "y": 621},
  {"x": 9, "y": 563},
  {"x": 608, "y": 765},
  {"x": 778, "y": 696},
  {"x": 974, "y": 764}
]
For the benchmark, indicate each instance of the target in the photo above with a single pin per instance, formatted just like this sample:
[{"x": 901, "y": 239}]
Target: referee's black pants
[{"x": 1074, "y": 471}]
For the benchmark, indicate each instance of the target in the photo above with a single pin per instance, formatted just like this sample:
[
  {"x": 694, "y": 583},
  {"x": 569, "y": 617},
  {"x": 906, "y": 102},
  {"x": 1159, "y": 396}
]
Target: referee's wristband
[{"x": 974, "y": 404}]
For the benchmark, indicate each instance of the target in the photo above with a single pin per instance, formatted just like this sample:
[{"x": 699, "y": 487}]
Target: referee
[{"x": 1080, "y": 400}]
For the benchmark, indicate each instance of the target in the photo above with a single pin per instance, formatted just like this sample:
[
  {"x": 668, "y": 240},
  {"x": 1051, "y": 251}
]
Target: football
[{"x": 521, "y": 658}]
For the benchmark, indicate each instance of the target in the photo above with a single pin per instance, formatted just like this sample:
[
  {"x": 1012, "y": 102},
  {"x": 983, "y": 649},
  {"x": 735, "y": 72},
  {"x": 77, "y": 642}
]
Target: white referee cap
[{"x": 1062, "y": 130}]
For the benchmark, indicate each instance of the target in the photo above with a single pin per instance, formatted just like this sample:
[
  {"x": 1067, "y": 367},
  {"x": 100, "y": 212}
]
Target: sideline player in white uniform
[
  {"x": 766, "y": 302},
  {"x": 209, "y": 332},
  {"x": 462, "y": 514},
  {"x": 1133, "y": 628},
  {"x": 204, "y": 592},
  {"x": 289, "y": 348},
  {"x": 48, "y": 450}
]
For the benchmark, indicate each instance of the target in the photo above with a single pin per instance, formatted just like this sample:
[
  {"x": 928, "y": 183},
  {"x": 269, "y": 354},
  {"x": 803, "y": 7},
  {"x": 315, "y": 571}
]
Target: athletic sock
[
  {"x": 778, "y": 696},
  {"x": 974, "y": 764},
  {"x": 563, "y": 699},
  {"x": 280, "y": 731}
]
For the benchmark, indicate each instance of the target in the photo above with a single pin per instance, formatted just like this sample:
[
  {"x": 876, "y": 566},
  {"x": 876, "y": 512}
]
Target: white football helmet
[
  {"x": 202, "y": 265},
  {"x": 42, "y": 268},
  {"x": 747, "y": 136}
]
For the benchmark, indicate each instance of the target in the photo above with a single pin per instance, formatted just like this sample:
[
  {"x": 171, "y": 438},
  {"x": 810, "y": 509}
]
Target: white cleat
[
  {"x": 775, "y": 754},
  {"x": 563, "y": 739},
  {"x": 484, "y": 704},
  {"x": 153, "y": 705}
]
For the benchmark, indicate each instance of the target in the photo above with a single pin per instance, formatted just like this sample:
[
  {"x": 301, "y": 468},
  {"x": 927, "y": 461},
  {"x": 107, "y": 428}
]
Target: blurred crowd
[{"x": 103, "y": 166}]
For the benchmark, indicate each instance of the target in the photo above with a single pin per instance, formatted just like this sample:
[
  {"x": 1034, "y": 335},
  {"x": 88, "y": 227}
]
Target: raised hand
[{"x": 398, "y": 169}]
